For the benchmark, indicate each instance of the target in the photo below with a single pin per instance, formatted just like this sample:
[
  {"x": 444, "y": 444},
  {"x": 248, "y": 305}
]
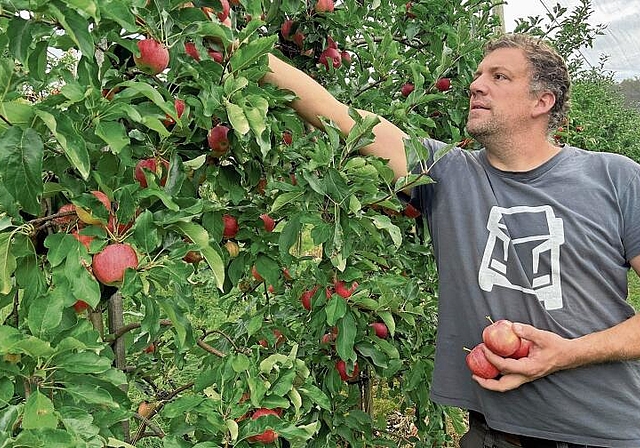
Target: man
[{"x": 531, "y": 232}]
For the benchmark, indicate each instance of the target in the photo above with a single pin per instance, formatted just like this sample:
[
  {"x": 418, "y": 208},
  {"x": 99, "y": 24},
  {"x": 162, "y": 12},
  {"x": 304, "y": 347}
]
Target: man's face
[{"x": 501, "y": 101}]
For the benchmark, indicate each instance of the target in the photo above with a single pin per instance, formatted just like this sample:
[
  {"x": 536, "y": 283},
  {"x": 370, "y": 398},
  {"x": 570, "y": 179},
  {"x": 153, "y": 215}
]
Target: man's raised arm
[{"x": 314, "y": 101}]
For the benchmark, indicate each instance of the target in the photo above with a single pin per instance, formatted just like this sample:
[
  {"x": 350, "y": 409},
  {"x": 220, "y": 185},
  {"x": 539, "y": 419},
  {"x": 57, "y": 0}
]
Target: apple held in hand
[
  {"x": 523, "y": 350},
  {"x": 154, "y": 57},
  {"x": 479, "y": 364},
  {"x": 500, "y": 338},
  {"x": 110, "y": 264}
]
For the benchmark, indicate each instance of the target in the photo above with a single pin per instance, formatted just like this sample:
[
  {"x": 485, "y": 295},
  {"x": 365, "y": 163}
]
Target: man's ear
[{"x": 546, "y": 100}]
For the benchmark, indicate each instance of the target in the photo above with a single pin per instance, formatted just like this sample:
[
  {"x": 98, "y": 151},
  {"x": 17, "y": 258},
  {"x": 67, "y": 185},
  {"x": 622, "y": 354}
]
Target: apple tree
[{"x": 150, "y": 181}]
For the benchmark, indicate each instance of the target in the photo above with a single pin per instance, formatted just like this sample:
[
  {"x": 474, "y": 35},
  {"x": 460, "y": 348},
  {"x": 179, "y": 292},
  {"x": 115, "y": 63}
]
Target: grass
[{"x": 634, "y": 290}]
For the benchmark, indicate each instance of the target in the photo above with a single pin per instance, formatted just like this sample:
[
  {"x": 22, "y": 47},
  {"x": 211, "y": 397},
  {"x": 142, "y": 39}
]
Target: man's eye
[{"x": 499, "y": 76}]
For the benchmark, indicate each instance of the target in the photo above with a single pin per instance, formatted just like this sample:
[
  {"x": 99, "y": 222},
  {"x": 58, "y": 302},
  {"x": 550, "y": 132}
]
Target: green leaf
[
  {"x": 285, "y": 198},
  {"x": 384, "y": 223},
  {"x": 84, "y": 362},
  {"x": 20, "y": 38},
  {"x": 91, "y": 394},
  {"x": 199, "y": 236},
  {"x": 237, "y": 118},
  {"x": 119, "y": 12},
  {"x": 73, "y": 144},
  {"x": 347, "y": 330},
  {"x": 7, "y": 263},
  {"x": 45, "y": 314},
  {"x": 75, "y": 26},
  {"x": 248, "y": 54},
  {"x": 39, "y": 412},
  {"x": 114, "y": 134},
  {"x": 336, "y": 309},
  {"x": 21, "y": 155},
  {"x": 6, "y": 392},
  {"x": 240, "y": 363},
  {"x": 7, "y": 73},
  {"x": 316, "y": 395}
]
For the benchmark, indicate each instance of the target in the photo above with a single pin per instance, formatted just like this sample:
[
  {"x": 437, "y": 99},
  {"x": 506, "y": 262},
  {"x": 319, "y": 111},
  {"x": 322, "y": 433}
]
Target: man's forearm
[
  {"x": 314, "y": 101},
  {"x": 618, "y": 343}
]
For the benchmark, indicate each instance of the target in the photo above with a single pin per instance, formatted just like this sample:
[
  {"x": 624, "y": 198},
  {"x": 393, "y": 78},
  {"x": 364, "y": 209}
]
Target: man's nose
[{"x": 477, "y": 86}]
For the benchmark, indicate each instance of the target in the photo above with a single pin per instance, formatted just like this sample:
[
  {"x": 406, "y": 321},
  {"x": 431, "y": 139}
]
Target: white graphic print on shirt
[{"x": 525, "y": 240}]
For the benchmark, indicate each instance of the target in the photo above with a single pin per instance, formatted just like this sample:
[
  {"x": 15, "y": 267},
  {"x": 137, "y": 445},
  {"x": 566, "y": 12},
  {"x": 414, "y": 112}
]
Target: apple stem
[
  {"x": 466, "y": 349},
  {"x": 489, "y": 318}
]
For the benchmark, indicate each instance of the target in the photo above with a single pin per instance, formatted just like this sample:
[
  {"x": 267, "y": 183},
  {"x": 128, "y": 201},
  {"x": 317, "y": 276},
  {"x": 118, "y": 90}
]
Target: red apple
[
  {"x": 145, "y": 409},
  {"x": 287, "y": 138},
  {"x": 298, "y": 38},
  {"x": 84, "y": 239},
  {"x": 191, "y": 50},
  {"x": 523, "y": 350},
  {"x": 217, "y": 56},
  {"x": 381, "y": 329},
  {"x": 341, "y": 366},
  {"x": 500, "y": 338},
  {"x": 346, "y": 57},
  {"x": 306, "y": 297},
  {"x": 150, "y": 348},
  {"x": 443, "y": 84},
  {"x": 285, "y": 28},
  {"x": 154, "y": 56},
  {"x": 179, "y": 105},
  {"x": 218, "y": 140},
  {"x": 256, "y": 274},
  {"x": 192, "y": 257},
  {"x": 269, "y": 222},
  {"x": 110, "y": 264},
  {"x": 224, "y": 14},
  {"x": 409, "y": 13},
  {"x": 67, "y": 219},
  {"x": 411, "y": 212},
  {"x": 230, "y": 226},
  {"x": 86, "y": 216},
  {"x": 323, "y": 6},
  {"x": 342, "y": 290},
  {"x": 269, "y": 435},
  {"x": 80, "y": 306},
  {"x": 160, "y": 170},
  {"x": 406, "y": 89},
  {"x": 479, "y": 364},
  {"x": 330, "y": 54}
]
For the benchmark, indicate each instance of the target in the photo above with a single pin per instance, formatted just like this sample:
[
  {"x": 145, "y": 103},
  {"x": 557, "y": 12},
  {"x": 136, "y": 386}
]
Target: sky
[{"x": 621, "y": 41}]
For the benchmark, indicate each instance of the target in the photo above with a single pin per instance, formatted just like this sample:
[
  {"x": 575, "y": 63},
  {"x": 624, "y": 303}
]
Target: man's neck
[{"x": 517, "y": 155}]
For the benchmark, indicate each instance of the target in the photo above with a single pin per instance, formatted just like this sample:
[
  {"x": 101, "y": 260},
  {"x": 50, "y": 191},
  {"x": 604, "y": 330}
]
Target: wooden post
[{"x": 116, "y": 321}]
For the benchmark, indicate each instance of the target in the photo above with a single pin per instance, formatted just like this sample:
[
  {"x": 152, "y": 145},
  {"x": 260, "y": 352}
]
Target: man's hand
[{"x": 547, "y": 354}]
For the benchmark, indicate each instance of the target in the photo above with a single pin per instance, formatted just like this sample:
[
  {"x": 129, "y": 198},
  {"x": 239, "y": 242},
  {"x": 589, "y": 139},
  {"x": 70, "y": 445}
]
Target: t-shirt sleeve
[{"x": 630, "y": 206}]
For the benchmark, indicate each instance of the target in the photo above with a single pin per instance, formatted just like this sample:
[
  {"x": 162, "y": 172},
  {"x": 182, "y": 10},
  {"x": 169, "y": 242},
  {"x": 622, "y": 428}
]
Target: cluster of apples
[
  {"x": 499, "y": 338},
  {"x": 109, "y": 265}
]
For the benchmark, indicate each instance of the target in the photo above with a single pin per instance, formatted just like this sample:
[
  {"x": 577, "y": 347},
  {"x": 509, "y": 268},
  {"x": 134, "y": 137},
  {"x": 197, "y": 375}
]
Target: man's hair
[{"x": 548, "y": 71}]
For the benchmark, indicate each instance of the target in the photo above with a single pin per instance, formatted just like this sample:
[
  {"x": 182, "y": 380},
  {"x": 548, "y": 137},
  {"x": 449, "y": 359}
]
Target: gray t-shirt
[{"x": 549, "y": 247}]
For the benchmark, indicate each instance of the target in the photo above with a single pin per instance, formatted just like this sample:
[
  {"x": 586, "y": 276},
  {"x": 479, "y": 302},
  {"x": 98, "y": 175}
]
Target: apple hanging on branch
[
  {"x": 269, "y": 435},
  {"x": 110, "y": 264},
  {"x": 153, "y": 58}
]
